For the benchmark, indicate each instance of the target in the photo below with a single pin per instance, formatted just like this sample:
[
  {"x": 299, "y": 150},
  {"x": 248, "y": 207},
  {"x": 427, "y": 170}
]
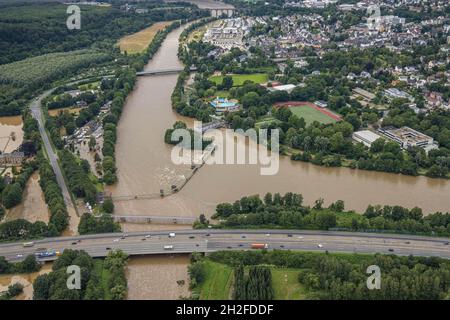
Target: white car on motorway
[{"x": 320, "y": 245}]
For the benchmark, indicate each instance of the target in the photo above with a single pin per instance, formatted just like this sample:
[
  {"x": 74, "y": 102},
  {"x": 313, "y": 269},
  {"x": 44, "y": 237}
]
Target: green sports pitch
[
  {"x": 310, "y": 115},
  {"x": 239, "y": 79}
]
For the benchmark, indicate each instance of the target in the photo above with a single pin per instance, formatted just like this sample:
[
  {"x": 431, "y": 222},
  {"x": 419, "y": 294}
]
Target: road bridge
[
  {"x": 157, "y": 72},
  {"x": 154, "y": 219},
  {"x": 210, "y": 240},
  {"x": 211, "y": 125}
]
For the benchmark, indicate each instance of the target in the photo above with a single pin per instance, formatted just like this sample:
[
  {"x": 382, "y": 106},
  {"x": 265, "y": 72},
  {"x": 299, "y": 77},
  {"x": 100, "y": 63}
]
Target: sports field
[
  {"x": 310, "y": 115},
  {"x": 239, "y": 79},
  {"x": 139, "y": 41},
  {"x": 310, "y": 112}
]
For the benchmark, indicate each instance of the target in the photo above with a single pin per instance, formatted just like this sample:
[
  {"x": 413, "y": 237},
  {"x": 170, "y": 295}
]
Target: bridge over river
[
  {"x": 157, "y": 72},
  {"x": 154, "y": 219},
  {"x": 210, "y": 240}
]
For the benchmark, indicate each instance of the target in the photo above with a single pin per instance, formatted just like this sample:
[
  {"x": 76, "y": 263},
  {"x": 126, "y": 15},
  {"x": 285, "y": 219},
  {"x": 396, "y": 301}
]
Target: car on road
[
  {"x": 267, "y": 234},
  {"x": 240, "y": 245},
  {"x": 108, "y": 248},
  {"x": 289, "y": 235},
  {"x": 391, "y": 250},
  {"x": 243, "y": 236},
  {"x": 191, "y": 237},
  {"x": 320, "y": 245},
  {"x": 446, "y": 243},
  {"x": 282, "y": 246},
  {"x": 143, "y": 239},
  {"x": 74, "y": 243},
  {"x": 229, "y": 247},
  {"x": 168, "y": 247},
  {"x": 148, "y": 236},
  {"x": 116, "y": 240},
  {"x": 28, "y": 244},
  {"x": 207, "y": 235},
  {"x": 19, "y": 255},
  {"x": 172, "y": 235}
]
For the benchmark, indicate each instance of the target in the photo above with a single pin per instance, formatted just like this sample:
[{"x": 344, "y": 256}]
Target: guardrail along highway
[{"x": 188, "y": 241}]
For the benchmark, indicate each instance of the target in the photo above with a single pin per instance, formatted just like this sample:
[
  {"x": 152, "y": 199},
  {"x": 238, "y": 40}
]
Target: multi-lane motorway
[{"x": 187, "y": 241}]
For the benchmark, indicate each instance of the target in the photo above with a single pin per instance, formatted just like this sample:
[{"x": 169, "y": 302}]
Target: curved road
[{"x": 187, "y": 241}]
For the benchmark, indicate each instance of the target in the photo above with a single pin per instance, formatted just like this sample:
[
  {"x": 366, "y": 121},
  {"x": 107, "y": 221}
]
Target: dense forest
[
  {"x": 34, "y": 29},
  {"x": 36, "y": 48}
]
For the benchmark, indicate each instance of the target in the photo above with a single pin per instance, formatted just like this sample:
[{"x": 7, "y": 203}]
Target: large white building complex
[
  {"x": 365, "y": 136},
  {"x": 408, "y": 138}
]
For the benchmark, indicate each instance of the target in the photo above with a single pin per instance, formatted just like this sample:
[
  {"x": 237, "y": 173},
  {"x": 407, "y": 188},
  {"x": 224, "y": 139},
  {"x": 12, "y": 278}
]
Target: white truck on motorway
[
  {"x": 168, "y": 247},
  {"x": 172, "y": 235}
]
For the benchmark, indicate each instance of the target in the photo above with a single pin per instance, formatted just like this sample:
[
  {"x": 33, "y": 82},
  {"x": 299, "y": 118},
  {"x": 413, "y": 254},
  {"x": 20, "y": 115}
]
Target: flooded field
[
  {"x": 25, "y": 279},
  {"x": 158, "y": 277},
  {"x": 33, "y": 207},
  {"x": 11, "y": 134}
]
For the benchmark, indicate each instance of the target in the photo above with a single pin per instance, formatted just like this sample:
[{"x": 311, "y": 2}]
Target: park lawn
[
  {"x": 239, "y": 79},
  {"x": 265, "y": 120},
  {"x": 310, "y": 115},
  {"x": 286, "y": 286},
  {"x": 217, "y": 283},
  {"x": 104, "y": 276},
  {"x": 139, "y": 41},
  {"x": 222, "y": 94}
]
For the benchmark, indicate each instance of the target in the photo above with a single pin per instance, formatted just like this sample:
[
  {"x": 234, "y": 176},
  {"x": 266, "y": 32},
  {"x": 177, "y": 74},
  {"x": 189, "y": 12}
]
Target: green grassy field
[
  {"x": 218, "y": 280},
  {"x": 285, "y": 284},
  {"x": 239, "y": 79},
  {"x": 310, "y": 115},
  {"x": 104, "y": 275},
  {"x": 222, "y": 94}
]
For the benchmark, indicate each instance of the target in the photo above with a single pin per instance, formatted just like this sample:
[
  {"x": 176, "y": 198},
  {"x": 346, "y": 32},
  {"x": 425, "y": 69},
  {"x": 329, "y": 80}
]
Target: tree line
[
  {"x": 339, "y": 276},
  {"x": 256, "y": 285},
  {"x": 100, "y": 279},
  {"x": 289, "y": 211}
]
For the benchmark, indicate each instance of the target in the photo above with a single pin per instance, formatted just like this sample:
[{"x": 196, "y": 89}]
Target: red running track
[{"x": 327, "y": 112}]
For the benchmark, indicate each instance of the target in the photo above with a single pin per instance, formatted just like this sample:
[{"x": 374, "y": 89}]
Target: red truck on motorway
[{"x": 259, "y": 246}]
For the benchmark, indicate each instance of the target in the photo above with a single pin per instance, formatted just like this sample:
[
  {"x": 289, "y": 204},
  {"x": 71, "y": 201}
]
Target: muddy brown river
[{"x": 145, "y": 167}]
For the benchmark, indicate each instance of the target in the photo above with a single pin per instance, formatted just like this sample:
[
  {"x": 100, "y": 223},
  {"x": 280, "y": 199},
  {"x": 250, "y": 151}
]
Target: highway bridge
[
  {"x": 210, "y": 240},
  {"x": 157, "y": 72},
  {"x": 154, "y": 219}
]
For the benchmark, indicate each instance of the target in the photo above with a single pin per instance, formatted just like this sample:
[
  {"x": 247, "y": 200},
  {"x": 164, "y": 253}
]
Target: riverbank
[{"x": 144, "y": 164}]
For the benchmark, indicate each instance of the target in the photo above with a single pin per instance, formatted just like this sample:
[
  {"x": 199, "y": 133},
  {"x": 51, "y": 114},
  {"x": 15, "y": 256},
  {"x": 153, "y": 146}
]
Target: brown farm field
[{"x": 139, "y": 41}]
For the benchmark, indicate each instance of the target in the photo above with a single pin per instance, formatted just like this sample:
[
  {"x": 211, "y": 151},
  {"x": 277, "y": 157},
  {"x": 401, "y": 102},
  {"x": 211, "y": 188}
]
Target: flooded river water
[{"x": 145, "y": 167}]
